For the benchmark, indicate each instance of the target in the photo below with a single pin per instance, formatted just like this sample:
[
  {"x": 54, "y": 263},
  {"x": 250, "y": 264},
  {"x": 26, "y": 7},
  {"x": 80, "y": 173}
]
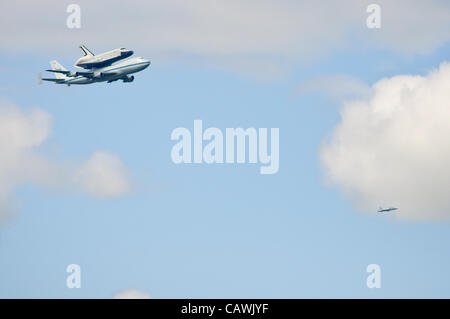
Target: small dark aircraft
[{"x": 386, "y": 210}]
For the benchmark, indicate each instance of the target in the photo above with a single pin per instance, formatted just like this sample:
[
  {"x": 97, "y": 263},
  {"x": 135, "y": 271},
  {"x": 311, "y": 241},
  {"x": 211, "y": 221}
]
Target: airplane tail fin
[
  {"x": 86, "y": 51},
  {"x": 58, "y": 67}
]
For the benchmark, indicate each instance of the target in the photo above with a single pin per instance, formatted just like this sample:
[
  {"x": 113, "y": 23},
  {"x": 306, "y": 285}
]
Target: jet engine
[
  {"x": 97, "y": 75},
  {"x": 128, "y": 78}
]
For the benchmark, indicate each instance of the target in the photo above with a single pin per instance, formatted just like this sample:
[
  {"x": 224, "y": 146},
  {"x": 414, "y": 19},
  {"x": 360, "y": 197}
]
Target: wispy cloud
[
  {"x": 132, "y": 294},
  {"x": 22, "y": 133},
  {"x": 103, "y": 175},
  {"x": 338, "y": 87}
]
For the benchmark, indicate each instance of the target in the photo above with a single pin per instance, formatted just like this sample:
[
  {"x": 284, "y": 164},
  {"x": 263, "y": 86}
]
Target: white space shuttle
[{"x": 91, "y": 61}]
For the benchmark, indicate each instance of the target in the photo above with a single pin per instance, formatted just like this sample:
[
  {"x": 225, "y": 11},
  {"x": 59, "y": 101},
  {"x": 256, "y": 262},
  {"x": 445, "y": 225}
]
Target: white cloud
[
  {"x": 132, "y": 294},
  {"x": 338, "y": 87},
  {"x": 103, "y": 175},
  {"x": 260, "y": 35},
  {"x": 22, "y": 132},
  {"x": 394, "y": 147}
]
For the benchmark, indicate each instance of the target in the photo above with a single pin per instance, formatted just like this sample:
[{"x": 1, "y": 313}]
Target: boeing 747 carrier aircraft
[{"x": 100, "y": 70}]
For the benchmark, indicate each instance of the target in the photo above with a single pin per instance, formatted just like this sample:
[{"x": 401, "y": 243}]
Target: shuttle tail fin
[{"x": 86, "y": 51}]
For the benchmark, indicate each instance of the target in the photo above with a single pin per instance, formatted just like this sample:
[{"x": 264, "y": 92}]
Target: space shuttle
[{"x": 90, "y": 60}]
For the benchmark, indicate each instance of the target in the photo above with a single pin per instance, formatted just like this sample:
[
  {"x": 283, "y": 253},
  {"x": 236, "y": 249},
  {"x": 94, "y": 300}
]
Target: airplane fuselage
[{"x": 121, "y": 71}]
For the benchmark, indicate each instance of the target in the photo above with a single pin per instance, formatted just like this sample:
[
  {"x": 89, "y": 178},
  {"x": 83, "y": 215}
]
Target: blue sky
[{"x": 209, "y": 231}]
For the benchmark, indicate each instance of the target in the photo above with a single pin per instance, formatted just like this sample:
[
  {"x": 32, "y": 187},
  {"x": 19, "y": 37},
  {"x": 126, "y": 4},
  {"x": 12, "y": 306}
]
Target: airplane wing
[
  {"x": 53, "y": 80},
  {"x": 91, "y": 74},
  {"x": 110, "y": 73},
  {"x": 40, "y": 79},
  {"x": 59, "y": 71},
  {"x": 86, "y": 74}
]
